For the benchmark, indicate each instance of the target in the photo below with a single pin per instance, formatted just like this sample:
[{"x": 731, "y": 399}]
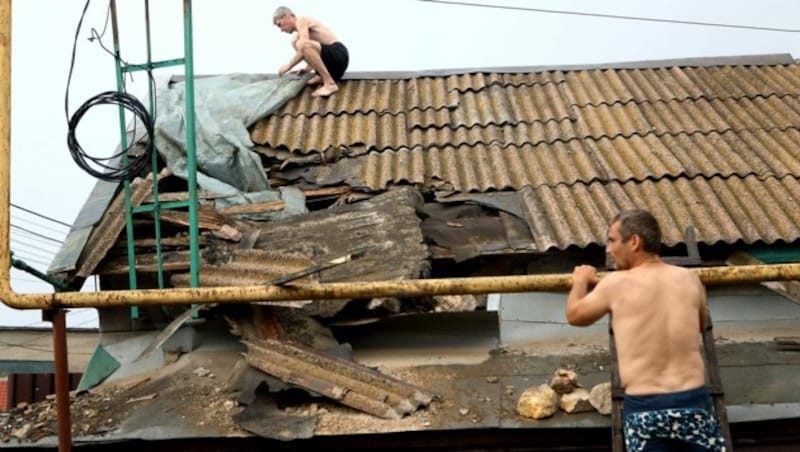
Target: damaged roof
[{"x": 711, "y": 144}]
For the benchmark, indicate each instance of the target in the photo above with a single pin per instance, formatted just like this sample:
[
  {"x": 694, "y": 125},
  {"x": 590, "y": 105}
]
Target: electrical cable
[
  {"x": 17, "y": 243},
  {"x": 27, "y": 222},
  {"x": 20, "y": 237},
  {"x": 135, "y": 164},
  {"x": 101, "y": 168},
  {"x": 614, "y": 16},
  {"x": 40, "y": 215},
  {"x": 13, "y": 226}
]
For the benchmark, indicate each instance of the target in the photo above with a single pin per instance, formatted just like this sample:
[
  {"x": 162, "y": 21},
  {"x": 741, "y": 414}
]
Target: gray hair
[
  {"x": 641, "y": 223},
  {"x": 280, "y": 12}
]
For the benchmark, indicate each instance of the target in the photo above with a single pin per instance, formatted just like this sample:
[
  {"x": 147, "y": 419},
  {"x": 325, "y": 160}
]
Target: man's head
[
  {"x": 633, "y": 233},
  {"x": 284, "y": 19}
]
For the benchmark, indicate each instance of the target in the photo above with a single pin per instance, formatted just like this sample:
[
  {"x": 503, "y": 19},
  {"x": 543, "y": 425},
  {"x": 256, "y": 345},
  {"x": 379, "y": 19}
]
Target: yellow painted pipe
[{"x": 407, "y": 288}]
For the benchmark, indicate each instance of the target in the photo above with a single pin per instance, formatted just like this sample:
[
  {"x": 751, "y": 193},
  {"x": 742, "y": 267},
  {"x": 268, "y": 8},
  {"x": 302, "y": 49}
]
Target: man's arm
[
  {"x": 584, "y": 305},
  {"x": 296, "y": 58},
  {"x": 301, "y": 35}
]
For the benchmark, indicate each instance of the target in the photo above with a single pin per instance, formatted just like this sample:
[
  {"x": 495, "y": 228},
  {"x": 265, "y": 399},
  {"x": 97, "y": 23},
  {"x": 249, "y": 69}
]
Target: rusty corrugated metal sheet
[{"x": 721, "y": 210}]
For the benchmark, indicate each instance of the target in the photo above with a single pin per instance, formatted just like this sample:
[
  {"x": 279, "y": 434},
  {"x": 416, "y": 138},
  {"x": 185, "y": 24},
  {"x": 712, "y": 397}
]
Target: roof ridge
[{"x": 730, "y": 60}]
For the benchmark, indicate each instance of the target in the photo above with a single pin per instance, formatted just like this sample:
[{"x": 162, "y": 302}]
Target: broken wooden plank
[
  {"x": 148, "y": 263},
  {"x": 207, "y": 218},
  {"x": 184, "y": 196},
  {"x": 177, "y": 241},
  {"x": 259, "y": 207},
  {"x": 331, "y": 191},
  {"x": 106, "y": 232}
]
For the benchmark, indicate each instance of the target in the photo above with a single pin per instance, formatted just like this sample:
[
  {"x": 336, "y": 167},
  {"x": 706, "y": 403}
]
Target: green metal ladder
[{"x": 156, "y": 207}]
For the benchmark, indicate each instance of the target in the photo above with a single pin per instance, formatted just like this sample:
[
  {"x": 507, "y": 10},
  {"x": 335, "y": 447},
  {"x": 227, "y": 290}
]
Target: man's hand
[
  {"x": 304, "y": 70},
  {"x": 585, "y": 274},
  {"x": 284, "y": 69}
]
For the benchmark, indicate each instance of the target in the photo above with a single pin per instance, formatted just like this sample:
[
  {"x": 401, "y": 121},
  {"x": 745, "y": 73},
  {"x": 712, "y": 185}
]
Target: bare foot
[
  {"x": 325, "y": 90},
  {"x": 315, "y": 80}
]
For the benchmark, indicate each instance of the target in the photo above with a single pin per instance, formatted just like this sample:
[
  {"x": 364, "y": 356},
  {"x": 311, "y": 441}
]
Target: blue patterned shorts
[{"x": 683, "y": 420}]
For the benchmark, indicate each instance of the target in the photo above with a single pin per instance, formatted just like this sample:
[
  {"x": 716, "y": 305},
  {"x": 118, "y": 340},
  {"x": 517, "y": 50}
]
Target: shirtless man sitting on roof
[{"x": 315, "y": 44}]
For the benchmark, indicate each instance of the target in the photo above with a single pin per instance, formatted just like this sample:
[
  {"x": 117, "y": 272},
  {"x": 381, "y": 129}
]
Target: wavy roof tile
[{"x": 716, "y": 146}]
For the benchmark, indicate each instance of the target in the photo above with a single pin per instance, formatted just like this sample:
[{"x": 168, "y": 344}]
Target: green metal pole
[
  {"x": 124, "y": 145},
  {"x": 57, "y": 283},
  {"x": 154, "y": 163},
  {"x": 194, "y": 236}
]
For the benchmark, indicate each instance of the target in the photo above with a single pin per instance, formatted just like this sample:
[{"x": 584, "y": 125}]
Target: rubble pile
[{"x": 566, "y": 393}]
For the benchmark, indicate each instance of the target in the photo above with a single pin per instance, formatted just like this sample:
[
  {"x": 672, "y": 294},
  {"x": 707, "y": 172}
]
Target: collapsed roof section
[{"x": 549, "y": 156}]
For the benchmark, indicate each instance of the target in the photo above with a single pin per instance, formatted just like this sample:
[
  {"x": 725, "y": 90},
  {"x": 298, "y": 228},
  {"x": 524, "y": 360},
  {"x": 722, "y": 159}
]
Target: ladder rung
[
  {"x": 145, "y": 208},
  {"x": 153, "y": 65}
]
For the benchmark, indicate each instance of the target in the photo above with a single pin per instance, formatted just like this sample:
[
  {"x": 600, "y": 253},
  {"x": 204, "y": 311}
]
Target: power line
[
  {"x": 41, "y": 215},
  {"x": 615, "y": 16},
  {"x": 18, "y": 243},
  {"x": 22, "y": 236},
  {"x": 26, "y": 252},
  {"x": 27, "y": 221},
  {"x": 13, "y": 226}
]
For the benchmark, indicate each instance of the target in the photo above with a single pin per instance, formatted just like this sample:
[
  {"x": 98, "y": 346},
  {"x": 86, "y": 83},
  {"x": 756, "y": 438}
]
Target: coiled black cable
[
  {"x": 136, "y": 164},
  {"x": 95, "y": 166}
]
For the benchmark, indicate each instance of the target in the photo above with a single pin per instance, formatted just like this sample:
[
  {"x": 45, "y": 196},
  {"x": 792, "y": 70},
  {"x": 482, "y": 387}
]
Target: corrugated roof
[
  {"x": 720, "y": 209},
  {"x": 519, "y": 115},
  {"x": 713, "y": 133}
]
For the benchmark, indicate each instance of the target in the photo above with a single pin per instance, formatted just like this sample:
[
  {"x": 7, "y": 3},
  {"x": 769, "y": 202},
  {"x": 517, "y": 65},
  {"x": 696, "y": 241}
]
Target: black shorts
[{"x": 335, "y": 58}]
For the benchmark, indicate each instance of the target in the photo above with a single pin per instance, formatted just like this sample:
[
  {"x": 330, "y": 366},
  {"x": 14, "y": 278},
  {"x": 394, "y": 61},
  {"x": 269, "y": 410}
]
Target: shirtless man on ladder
[{"x": 657, "y": 312}]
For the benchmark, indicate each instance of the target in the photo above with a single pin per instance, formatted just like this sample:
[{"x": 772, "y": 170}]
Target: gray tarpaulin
[{"x": 225, "y": 106}]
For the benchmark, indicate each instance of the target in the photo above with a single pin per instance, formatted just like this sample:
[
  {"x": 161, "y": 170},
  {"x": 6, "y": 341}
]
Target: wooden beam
[
  {"x": 183, "y": 196},
  {"x": 259, "y": 207}
]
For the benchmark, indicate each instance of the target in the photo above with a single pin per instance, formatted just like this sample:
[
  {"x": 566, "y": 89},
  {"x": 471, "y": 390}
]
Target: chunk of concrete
[{"x": 538, "y": 402}]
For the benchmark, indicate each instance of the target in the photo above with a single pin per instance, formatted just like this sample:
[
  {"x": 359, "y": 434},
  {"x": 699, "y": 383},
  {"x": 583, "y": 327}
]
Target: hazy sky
[{"x": 387, "y": 35}]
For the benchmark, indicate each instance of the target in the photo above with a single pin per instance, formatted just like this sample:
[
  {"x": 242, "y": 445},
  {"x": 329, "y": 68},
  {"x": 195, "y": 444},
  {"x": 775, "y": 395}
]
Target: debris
[
  {"x": 492, "y": 379},
  {"x": 464, "y": 411},
  {"x": 576, "y": 401},
  {"x": 600, "y": 398},
  {"x": 538, "y": 402},
  {"x": 564, "y": 381},
  {"x": 143, "y": 398},
  {"x": 202, "y": 372}
]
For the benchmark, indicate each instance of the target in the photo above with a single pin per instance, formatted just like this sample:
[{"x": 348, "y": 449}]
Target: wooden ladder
[{"x": 712, "y": 364}]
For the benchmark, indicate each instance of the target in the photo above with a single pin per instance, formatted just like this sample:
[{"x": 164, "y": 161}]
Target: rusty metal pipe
[
  {"x": 406, "y": 288},
  {"x": 59, "y": 319}
]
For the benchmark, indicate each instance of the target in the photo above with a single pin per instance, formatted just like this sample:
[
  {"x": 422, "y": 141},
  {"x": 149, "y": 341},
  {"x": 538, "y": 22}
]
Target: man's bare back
[
  {"x": 657, "y": 313},
  {"x": 316, "y": 30},
  {"x": 656, "y": 321}
]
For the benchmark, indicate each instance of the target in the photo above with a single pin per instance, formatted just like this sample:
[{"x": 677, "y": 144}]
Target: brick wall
[{"x": 3, "y": 394}]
